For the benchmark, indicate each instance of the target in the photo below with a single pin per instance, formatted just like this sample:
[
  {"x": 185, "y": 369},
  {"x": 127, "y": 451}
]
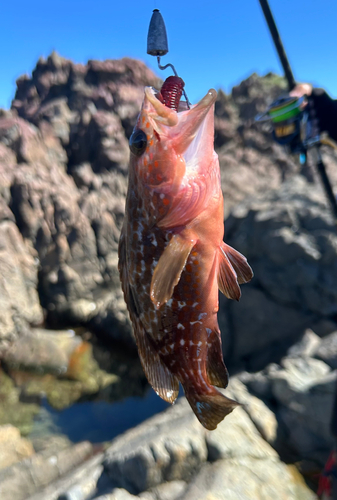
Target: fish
[{"x": 172, "y": 257}]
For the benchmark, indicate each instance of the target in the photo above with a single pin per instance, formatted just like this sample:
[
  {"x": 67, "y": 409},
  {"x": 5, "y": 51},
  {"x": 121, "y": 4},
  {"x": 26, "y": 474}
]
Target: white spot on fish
[
  {"x": 161, "y": 196},
  {"x": 142, "y": 262},
  {"x": 195, "y": 304},
  {"x": 192, "y": 343},
  {"x": 169, "y": 303},
  {"x": 154, "y": 241},
  {"x": 182, "y": 342},
  {"x": 180, "y": 327},
  {"x": 171, "y": 346},
  {"x": 181, "y": 304},
  {"x": 201, "y": 315},
  {"x": 209, "y": 331},
  {"x": 194, "y": 322},
  {"x": 200, "y": 373}
]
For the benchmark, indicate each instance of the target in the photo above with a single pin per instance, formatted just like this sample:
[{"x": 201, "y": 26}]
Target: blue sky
[{"x": 212, "y": 44}]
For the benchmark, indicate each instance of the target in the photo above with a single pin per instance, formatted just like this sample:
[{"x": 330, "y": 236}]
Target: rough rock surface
[
  {"x": 289, "y": 239},
  {"x": 170, "y": 446},
  {"x": 234, "y": 479},
  {"x": 13, "y": 448},
  {"x": 63, "y": 165},
  {"x": 168, "y": 457},
  {"x": 300, "y": 390},
  {"x": 63, "y": 159},
  {"x": 172, "y": 457}
]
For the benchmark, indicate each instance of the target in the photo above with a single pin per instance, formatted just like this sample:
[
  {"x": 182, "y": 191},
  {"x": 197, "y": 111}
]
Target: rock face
[
  {"x": 63, "y": 158},
  {"x": 63, "y": 178},
  {"x": 289, "y": 239},
  {"x": 285, "y": 414},
  {"x": 301, "y": 391},
  {"x": 169, "y": 457},
  {"x": 63, "y": 164}
]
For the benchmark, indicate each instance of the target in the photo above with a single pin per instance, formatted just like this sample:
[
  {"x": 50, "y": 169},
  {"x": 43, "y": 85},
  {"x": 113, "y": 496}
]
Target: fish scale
[{"x": 172, "y": 258}]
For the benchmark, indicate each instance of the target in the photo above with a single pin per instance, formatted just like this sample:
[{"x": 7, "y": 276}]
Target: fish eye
[{"x": 138, "y": 142}]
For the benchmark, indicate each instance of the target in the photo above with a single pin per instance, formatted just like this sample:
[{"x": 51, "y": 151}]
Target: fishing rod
[{"x": 291, "y": 122}]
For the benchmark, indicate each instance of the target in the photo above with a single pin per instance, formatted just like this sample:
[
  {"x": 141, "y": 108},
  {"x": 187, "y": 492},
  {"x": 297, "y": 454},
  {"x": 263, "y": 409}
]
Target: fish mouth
[
  {"x": 198, "y": 132},
  {"x": 190, "y": 132},
  {"x": 194, "y": 134}
]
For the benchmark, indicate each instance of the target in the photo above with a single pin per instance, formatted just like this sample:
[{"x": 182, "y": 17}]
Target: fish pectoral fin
[
  {"x": 209, "y": 408},
  {"x": 215, "y": 367},
  {"x": 227, "y": 277},
  {"x": 239, "y": 263},
  {"x": 164, "y": 383},
  {"x": 169, "y": 268}
]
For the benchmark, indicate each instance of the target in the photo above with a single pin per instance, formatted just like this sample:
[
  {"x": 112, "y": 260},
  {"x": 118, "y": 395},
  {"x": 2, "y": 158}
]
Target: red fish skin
[{"x": 170, "y": 257}]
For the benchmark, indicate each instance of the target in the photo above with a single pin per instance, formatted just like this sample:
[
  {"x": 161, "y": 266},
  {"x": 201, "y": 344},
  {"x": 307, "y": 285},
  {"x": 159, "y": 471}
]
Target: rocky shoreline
[
  {"x": 283, "y": 420},
  {"x": 63, "y": 165}
]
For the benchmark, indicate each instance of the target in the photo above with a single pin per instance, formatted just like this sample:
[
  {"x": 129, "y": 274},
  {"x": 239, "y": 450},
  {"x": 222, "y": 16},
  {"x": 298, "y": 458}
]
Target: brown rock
[{"x": 13, "y": 448}]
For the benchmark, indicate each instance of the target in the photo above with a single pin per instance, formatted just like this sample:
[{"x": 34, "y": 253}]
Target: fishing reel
[{"x": 291, "y": 124}]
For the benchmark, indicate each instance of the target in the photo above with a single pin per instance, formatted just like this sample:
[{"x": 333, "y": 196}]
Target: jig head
[{"x": 157, "y": 46}]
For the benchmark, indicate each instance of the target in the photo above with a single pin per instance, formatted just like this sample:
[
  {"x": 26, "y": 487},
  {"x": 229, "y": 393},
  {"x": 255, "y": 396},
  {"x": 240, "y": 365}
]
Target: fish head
[{"x": 167, "y": 146}]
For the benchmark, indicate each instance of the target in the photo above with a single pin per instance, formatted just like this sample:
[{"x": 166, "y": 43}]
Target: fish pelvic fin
[
  {"x": 210, "y": 409},
  {"x": 233, "y": 270},
  {"x": 215, "y": 367},
  {"x": 239, "y": 263},
  {"x": 169, "y": 268}
]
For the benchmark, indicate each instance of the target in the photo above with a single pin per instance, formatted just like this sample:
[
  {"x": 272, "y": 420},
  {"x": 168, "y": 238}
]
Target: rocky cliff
[
  {"x": 63, "y": 178},
  {"x": 63, "y": 163}
]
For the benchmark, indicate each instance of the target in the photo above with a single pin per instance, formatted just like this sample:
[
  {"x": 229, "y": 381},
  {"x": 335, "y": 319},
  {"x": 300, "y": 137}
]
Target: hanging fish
[{"x": 172, "y": 258}]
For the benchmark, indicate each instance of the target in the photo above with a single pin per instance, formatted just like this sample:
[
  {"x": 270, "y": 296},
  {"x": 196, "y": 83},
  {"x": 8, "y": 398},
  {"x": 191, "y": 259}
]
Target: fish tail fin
[{"x": 210, "y": 409}]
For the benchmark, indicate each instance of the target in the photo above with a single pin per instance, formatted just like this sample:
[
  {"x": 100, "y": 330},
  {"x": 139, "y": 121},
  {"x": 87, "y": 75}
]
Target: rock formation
[{"x": 63, "y": 178}]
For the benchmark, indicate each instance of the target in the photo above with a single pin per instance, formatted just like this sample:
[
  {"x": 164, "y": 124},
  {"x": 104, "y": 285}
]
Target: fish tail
[{"x": 211, "y": 408}]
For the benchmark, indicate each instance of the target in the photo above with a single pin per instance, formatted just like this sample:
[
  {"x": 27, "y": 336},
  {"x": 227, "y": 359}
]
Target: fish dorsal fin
[
  {"x": 227, "y": 277},
  {"x": 169, "y": 268},
  {"x": 215, "y": 366},
  {"x": 161, "y": 379},
  {"x": 239, "y": 263}
]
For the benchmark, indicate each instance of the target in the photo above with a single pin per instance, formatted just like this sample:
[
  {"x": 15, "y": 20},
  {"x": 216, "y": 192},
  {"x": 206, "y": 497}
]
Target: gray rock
[
  {"x": 117, "y": 494},
  {"x": 289, "y": 239},
  {"x": 19, "y": 304},
  {"x": 79, "y": 484},
  {"x": 248, "y": 478},
  {"x": 170, "y": 446},
  {"x": 24, "y": 479},
  {"x": 307, "y": 346},
  {"x": 238, "y": 437},
  {"x": 301, "y": 391},
  {"x": 327, "y": 350},
  {"x": 306, "y": 416},
  {"x": 253, "y": 316},
  {"x": 263, "y": 417},
  {"x": 48, "y": 350},
  {"x": 172, "y": 490}
]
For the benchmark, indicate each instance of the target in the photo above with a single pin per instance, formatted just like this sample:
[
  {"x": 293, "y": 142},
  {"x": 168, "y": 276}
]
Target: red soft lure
[{"x": 171, "y": 91}]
